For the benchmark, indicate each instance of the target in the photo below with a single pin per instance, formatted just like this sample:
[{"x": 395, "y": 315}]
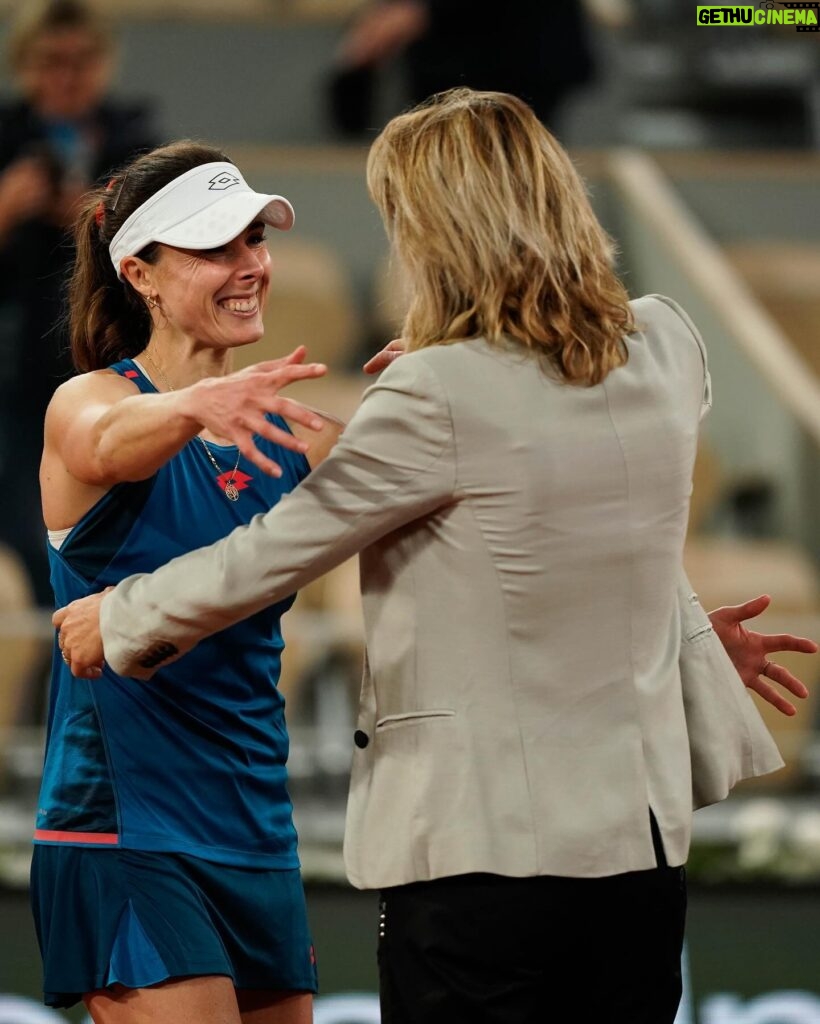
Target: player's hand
[{"x": 235, "y": 407}]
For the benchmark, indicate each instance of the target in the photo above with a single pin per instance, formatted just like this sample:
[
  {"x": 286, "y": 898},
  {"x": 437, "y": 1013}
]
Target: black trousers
[{"x": 486, "y": 949}]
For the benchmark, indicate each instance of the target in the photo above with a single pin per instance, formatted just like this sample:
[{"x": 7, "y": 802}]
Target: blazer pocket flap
[
  {"x": 413, "y": 718},
  {"x": 695, "y": 623}
]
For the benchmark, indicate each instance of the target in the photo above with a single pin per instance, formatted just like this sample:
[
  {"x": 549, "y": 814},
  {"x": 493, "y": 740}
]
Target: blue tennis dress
[
  {"x": 194, "y": 760},
  {"x": 189, "y": 767}
]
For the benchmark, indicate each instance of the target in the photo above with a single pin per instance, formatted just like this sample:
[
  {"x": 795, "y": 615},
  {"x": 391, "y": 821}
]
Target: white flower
[
  {"x": 805, "y": 831},
  {"x": 804, "y": 844},
  {"x": 759, "y": 828}
]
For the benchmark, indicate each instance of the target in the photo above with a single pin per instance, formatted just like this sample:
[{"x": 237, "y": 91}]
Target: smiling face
[{"x": 214, "y": 297}]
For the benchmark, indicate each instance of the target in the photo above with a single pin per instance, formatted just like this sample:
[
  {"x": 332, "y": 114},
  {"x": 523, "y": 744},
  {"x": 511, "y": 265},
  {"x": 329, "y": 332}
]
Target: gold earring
[{"x": 152, "y": 302}]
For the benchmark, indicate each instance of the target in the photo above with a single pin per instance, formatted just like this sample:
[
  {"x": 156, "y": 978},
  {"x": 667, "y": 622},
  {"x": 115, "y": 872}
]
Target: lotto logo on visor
[
  {"x": 202, "y": 209},
  {"x": 223, "y": 181}
]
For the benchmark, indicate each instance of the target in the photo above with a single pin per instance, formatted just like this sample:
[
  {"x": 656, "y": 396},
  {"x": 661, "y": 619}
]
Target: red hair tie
[{"x": 99, "y": 213}]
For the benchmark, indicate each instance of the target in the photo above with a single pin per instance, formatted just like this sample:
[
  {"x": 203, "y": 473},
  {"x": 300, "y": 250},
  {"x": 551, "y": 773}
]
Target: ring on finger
[
  {"x": 766, "y": 666},
  {"x": 66, "y": 658}
]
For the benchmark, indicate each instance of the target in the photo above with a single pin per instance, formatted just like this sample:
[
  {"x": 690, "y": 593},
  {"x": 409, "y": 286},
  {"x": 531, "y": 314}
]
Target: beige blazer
[{"x": 525, "y": 609}]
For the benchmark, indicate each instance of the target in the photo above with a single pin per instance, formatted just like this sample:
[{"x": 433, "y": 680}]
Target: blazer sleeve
[
  {"x": 395, "y": 462},
  {"x": 728, "y": 739}
]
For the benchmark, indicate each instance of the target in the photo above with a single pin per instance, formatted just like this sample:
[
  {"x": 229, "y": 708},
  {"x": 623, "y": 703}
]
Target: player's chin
[{"x": 249, "y": 334}]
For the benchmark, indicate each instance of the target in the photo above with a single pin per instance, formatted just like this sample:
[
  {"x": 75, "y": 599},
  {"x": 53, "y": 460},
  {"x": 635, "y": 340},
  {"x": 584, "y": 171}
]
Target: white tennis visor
[{"x": 201, "y": 209}]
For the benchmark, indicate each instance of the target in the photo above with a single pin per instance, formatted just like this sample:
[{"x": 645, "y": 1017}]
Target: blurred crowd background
[{"x": 701, "y": 147}]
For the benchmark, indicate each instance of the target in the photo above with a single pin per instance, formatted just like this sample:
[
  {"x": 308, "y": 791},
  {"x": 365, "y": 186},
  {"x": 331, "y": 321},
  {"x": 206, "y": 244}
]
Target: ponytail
[{"x": 108, "y": 320}]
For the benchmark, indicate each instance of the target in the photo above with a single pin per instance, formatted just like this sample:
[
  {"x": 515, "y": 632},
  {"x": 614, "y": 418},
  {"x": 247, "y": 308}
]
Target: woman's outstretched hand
[
  {"x": 750, "y": 652},
  {"x": 234, "y": 407}
]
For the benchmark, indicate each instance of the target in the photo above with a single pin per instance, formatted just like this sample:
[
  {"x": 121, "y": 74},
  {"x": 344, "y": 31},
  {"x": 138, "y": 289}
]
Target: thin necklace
[{"x": 226, "y": 481}]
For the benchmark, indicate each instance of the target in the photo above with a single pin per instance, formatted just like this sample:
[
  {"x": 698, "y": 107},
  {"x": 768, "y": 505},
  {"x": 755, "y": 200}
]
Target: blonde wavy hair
[{"x": 493, "y": 227}]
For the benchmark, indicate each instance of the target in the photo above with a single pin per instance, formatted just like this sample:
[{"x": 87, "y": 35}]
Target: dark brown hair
[{"x": 108, "y": 320}]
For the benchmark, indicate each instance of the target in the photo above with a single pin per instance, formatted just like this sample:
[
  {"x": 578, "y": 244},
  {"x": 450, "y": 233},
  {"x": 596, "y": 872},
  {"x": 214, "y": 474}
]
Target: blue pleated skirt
[{"x": 111, "y": 916}]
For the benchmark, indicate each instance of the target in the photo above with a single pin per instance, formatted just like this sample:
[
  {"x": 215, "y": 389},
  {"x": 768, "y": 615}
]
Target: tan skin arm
[
  {"x": 76, "y": 469},
  {"x": 101, "y": 431},
  {"x": 747, "y": 648}
]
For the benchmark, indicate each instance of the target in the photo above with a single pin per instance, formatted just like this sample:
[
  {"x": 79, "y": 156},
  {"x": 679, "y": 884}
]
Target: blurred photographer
[
  {"x": 56, "y": 138},
  {"x": 537, "y": 50}
]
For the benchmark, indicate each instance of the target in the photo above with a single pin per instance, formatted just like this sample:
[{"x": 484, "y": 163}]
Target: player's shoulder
[{"x": 95, "y": 388}]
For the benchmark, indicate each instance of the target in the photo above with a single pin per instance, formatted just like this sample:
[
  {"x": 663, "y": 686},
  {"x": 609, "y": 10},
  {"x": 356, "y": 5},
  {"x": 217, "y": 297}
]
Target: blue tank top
[{"x": 193, "y": 761}]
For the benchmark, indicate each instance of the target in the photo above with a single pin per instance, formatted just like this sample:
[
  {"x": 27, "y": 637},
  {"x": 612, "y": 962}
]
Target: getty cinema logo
[{"x": 804, "y": 15}]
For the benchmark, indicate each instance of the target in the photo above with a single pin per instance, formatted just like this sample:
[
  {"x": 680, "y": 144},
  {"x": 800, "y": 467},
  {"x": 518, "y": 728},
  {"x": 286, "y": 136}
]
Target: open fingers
[
  {"x": 788, "y": 642},
  {"x": 781, "y": 675},
  {"x": 256, "y": 457},
  {"x": 292, "y": 410},
  {"x": 296, "y": 356},
  {"x": 269, "y": 383},
  {"x": 281, "y": 373},
  {"x": 257, "y": 425},
  {"x": 772, "y": 696},
  {"x": 246, "y": 442},
  {"x": 392, "y": 350},
  {"x": 381, "y": 360},
  {"x": 278, "y": 373},
  {"x": 748, "y": 610},
  {"x": 260, "y": 426}
]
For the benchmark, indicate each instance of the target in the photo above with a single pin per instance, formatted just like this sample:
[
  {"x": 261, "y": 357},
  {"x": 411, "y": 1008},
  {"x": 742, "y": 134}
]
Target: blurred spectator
[
  {"x": 535, "y": 49},
  {"x": 55, "y": 139}
]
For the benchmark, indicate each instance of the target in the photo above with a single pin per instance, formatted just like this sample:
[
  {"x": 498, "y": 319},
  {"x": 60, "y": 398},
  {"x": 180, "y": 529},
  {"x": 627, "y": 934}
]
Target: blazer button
[{"x": 361, "y": 739}]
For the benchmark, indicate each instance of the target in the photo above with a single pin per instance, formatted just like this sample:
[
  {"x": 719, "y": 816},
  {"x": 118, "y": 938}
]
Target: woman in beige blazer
[{"x": 518, "y": 488}]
